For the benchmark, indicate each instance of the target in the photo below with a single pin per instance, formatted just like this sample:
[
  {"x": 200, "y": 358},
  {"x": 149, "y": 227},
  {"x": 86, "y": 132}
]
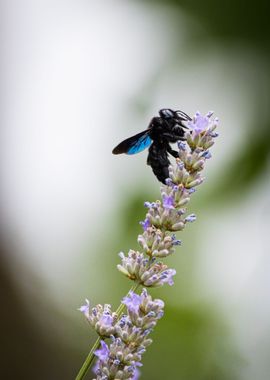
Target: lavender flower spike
[{"x": 121, "y": 356}]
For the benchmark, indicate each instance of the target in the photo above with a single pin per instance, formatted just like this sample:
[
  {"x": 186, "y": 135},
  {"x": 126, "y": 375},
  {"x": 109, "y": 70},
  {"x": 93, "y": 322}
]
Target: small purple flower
[
  {"x": 200, "y": 123},
  {"x": 160, "y": 303},
  {"x": 136, "y": 374},
  {"x": 103, "y": 352},
  {"x": 181, "y": 145},
  {"x": 190, "y": 218},
  {"x": 85, "y": 308},
  {"x": 175, "y": 241},
  {"x": 206, "y": 154},
  {"x": 106, "y": 320},
  {"x": 167, "y": 276},
  {"x": 180, "y": 165},
  {"x": 147, "y": 204},
  {"x": 150, "y": 204},
  {"x": 169, "y": 182},
  {"x": 168, "y": 202},
  {"x": 145, "y": 224},
  {"x": 209, "y": 114},
  {"x": 95, "y": 367},
  {"x": 132, "y": 302}
]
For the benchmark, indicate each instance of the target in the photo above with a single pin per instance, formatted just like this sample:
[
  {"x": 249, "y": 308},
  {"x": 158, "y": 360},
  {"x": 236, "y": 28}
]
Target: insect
[{"x": 168, "y": 127}]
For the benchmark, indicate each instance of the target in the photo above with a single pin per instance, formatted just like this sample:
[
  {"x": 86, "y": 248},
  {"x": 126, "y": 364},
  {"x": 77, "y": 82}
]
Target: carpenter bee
[{"x": 168, "y": 127}]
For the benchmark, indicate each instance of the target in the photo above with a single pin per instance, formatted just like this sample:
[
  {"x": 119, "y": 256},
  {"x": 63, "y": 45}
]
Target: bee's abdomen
[{"x": 159, "y": 162}]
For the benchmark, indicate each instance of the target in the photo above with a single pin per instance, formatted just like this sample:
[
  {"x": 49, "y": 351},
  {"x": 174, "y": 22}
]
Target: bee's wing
[{"x": 134, "y": 144}]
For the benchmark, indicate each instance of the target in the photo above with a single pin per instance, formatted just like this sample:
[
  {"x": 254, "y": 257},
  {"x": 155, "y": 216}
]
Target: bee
[{"x": 168, "y": 127}]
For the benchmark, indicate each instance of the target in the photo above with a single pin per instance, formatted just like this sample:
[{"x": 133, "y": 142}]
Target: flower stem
[
  {"x": 88, "y": 361},
  {"x": 90, "y": 357}
]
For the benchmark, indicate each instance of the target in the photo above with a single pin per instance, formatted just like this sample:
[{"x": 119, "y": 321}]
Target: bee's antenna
[{"x": 183, "y": 115}]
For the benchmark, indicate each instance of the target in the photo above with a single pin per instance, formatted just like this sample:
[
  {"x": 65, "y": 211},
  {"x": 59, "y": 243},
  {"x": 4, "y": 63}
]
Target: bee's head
[
  {"x": 166, "y": 113},
  {"x": 179, "y": 117}
]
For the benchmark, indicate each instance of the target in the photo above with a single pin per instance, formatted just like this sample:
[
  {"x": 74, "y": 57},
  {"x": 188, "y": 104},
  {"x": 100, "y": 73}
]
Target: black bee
[{"x": 164, "y": 129}]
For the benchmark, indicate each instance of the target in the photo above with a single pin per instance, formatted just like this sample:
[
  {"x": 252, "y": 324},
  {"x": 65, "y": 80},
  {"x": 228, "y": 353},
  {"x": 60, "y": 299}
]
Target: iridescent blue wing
[
  {"x": 139, "y": 145},
  {"x": 134, "y": 144}
]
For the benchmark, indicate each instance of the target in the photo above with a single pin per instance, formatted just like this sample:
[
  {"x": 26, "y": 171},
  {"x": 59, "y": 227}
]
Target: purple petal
[
  {"x": 175, "y": 241},
  {"x": 200, "y": 123},
  {"x": 95, "y": 367},
  {"x": 168, "y": 202},
  {"x": 206, "y": 154},
  {"x": 190, "y": 218},
  {"x": 169, "y": 182},
  {"x": 103, "y": 352},
  {"x": 145, "y": 224},
  {"x": 106, "y": 320},
  {"x": 169, "y": 276},
  {"x": 147, "y": 204},
  {"x": 132, "y": 302},
  {"x": 136, "y": 374},
  {"x": 181, "y": 145},
  {"x": 85, "y": 308}
]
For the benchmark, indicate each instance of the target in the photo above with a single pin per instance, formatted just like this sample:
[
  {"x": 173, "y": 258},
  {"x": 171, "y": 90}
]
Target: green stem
[
  {"x": 88, "y": 361},
  {"x": 90, "y": 357}
]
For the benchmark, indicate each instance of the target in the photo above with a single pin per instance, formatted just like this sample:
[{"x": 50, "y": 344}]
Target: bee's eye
[{"x": 166, "y": 113}]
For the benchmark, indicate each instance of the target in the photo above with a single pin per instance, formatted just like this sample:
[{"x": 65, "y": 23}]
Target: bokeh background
[{"x": 77, "y": 78}]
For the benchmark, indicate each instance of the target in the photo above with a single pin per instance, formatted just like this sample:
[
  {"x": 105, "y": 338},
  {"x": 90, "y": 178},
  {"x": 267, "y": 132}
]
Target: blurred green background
[{"x": 80, "y": 76}]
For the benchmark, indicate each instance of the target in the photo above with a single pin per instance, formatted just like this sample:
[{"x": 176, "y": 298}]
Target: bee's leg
[
  {"x": 174, "y": 134},
  {"x": 173, "y": 152}
]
